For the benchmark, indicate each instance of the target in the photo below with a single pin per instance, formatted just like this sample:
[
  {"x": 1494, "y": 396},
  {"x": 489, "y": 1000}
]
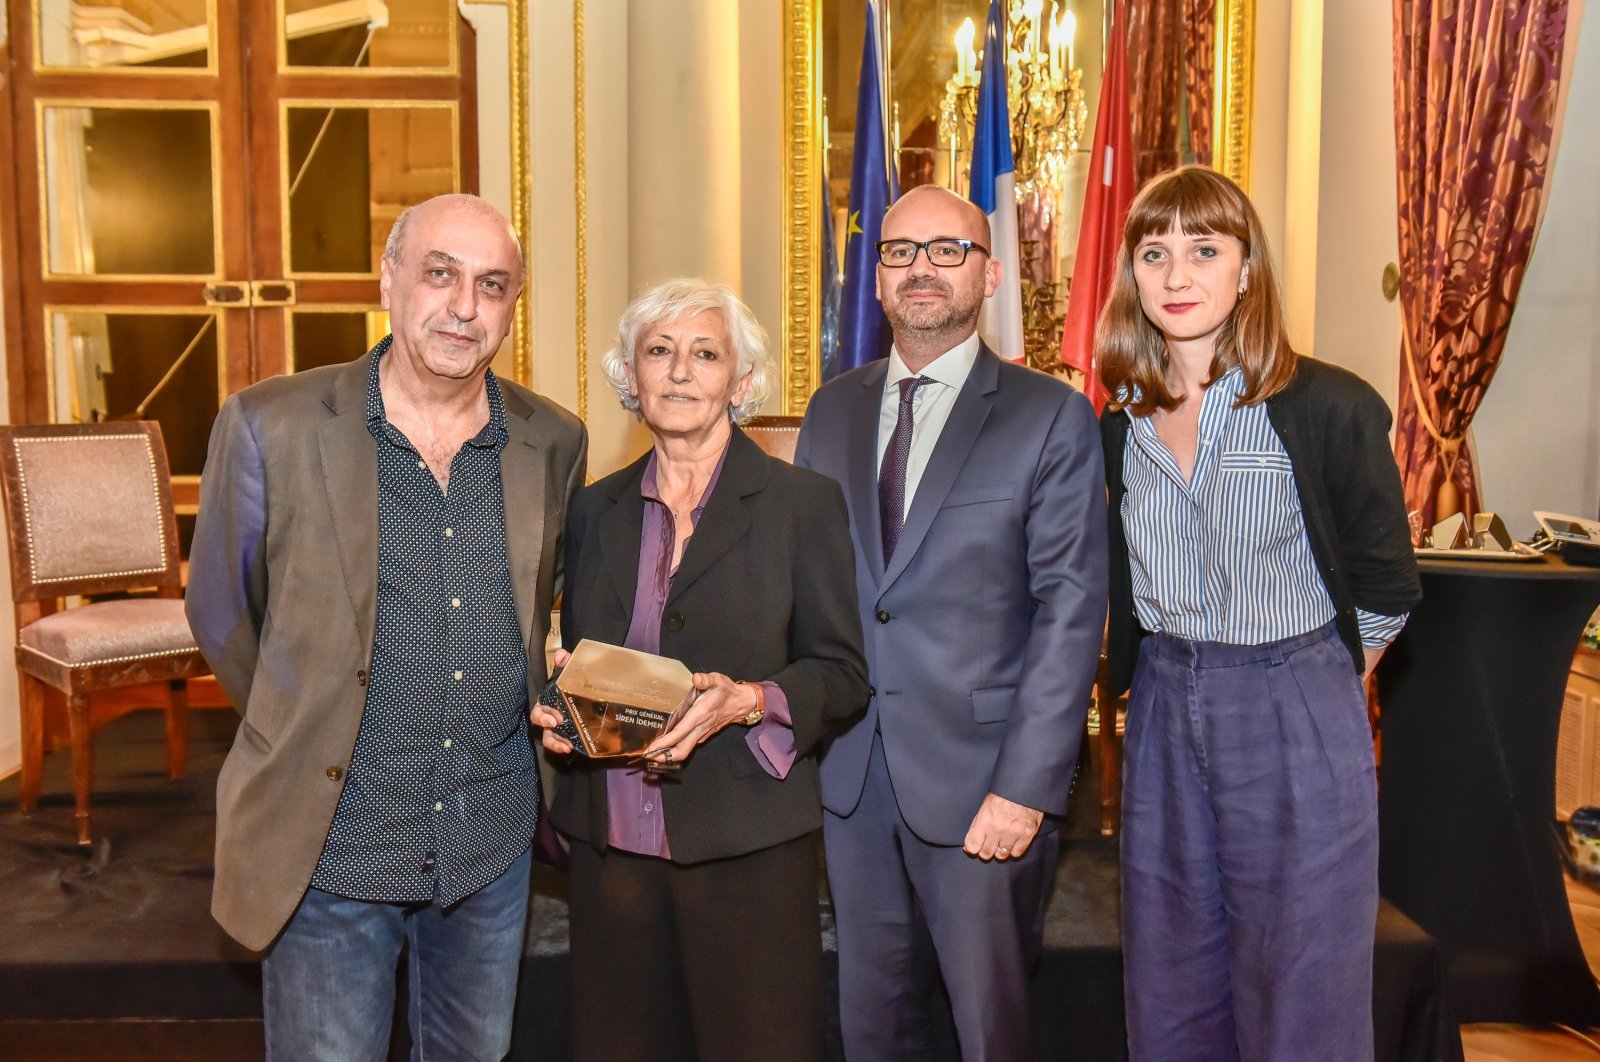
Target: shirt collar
[
  {"x": 1229, "y": 386},
  {"x": 493, "y": 433},
  {"x": 950, "y": 368}
]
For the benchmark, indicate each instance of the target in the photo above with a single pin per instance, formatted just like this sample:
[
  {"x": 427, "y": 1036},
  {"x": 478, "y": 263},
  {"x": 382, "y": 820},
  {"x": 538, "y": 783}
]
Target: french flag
[{"x": 994, "y": 189}]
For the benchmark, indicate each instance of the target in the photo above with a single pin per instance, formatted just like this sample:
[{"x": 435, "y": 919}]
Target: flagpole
[{"x": 885, "y": 93}]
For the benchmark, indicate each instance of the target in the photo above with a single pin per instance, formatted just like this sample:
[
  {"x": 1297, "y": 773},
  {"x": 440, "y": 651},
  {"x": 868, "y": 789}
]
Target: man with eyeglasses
[{"x": 978, "y": 512}]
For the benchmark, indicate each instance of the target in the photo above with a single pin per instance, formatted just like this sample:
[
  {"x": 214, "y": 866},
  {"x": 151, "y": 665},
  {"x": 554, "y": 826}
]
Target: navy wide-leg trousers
[{"x": 1249, "y": 853}]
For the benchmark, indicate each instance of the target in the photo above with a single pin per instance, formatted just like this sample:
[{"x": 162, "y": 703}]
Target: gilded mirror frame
[{"x": 803, "y": 213}]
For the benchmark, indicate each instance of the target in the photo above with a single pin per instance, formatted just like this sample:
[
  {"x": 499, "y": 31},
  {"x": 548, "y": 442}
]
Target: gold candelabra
[
  {"x": 1044, "y": 93},
  {"x": 1044, "y": 96}
]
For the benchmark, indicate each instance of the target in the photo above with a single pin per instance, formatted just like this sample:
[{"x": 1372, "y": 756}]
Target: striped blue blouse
[{"x": 1225, "y": 557}]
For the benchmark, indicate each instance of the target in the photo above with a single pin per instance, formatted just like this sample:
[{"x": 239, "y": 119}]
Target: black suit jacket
[{"x": 765, "y": 591}]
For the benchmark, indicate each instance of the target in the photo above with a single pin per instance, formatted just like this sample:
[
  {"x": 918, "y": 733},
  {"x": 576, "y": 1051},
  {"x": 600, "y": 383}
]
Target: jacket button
[
  {"x": 883, "y": 617},
  {"x": 361, "y": 676},
  {"x": 673, "y": 621},
  {"x": 335, "y": 773}
]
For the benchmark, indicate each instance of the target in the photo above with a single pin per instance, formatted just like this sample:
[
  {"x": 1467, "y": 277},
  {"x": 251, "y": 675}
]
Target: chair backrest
[
  {"x": 775, "y": 435},
  {"x": 88, "y": 508}
]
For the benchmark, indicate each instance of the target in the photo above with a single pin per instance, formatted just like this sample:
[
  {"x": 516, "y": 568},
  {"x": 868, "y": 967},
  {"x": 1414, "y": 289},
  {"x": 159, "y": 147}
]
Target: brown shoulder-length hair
[{"x": 1131, "y": 353}]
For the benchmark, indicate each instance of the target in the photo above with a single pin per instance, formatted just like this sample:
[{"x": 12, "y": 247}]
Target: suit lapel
[
  {"x": 863, "y": 476},
  {"x": 522, "y": 485},
  {"x": 725, "y": 520},
  {"x": 350, "y": 474},
  {"x": 960, "y": 431}
]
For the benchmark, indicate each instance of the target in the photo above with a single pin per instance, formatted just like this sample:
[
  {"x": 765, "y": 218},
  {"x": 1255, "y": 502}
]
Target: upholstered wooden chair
[
  {"x": 776, "y": 435},
  {"x": 89, "y": 512}
]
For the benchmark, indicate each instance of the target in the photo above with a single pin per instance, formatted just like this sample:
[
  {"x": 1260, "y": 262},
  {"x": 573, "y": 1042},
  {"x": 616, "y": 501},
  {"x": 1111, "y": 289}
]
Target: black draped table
[{"x": 1471, "y": 694}]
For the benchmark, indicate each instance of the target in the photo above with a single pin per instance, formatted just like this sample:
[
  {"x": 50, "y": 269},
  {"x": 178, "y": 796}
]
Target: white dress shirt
[{"x": 931, "y": 404}]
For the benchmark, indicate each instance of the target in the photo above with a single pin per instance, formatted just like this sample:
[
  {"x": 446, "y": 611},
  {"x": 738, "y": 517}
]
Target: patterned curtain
[
  {"x": 1154, "y": 70},
  {"x": 1476, "y": 91},
  {"x": 1199, "y": 66}
]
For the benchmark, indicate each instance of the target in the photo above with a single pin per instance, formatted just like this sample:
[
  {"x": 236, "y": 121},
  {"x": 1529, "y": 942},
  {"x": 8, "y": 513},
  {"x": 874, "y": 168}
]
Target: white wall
[
  {"x": 1269, "y": 124},
  {"x": 1301, "y": 145},
  {"x": 1357, "y": 234},
  {"x": 646, "y": 185},
  {"x": 1538, "y": 430}
]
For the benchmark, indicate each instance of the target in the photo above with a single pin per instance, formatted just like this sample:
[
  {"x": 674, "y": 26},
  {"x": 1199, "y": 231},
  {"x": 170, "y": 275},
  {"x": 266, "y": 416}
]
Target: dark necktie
[{"x": 892, "y": 476}]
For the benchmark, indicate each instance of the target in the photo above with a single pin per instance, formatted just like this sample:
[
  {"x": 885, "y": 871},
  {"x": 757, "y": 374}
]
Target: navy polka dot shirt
[{"x": 441, "y": 793}]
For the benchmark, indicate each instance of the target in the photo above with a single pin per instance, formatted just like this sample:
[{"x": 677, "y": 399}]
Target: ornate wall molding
[
  {"x": 521, "y": 177},
  {"x": 580, "y": 193},
  {"x": 1236, "y": 53},
  {"x": 804, "y": 210}
]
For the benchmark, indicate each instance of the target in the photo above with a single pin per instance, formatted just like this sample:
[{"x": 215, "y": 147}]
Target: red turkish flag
[{"x": 1105, "y": 208}]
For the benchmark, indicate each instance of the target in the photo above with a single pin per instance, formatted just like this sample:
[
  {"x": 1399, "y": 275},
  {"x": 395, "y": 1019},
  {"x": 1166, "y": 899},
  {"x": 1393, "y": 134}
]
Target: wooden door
[
  {"x": 352, "y": 124},
  {"x": 198, "y": 191}
]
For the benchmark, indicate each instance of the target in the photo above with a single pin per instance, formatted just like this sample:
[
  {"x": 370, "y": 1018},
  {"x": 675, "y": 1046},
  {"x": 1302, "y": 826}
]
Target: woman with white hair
[{"x": 694, "y": 916}]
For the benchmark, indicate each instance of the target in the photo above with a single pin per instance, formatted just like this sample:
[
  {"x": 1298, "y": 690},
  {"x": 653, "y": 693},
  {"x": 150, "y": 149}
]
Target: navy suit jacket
[{"x": 983, "y": 635}]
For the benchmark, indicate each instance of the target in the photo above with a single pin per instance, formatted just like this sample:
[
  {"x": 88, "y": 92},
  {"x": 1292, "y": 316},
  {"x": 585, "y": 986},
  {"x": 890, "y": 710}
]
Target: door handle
[
  {"x": 272, "y": 293},
  {"x": 226, "y": 294}
]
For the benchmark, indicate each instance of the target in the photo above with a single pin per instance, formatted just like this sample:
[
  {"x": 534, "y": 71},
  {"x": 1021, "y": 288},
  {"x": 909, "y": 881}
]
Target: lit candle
[
  {"x": 1031, "y": 10},
  {"x": 1055, "y": 43},
  {"x": 965, "y": 61},
  {"x": 1069, "y": 29}
]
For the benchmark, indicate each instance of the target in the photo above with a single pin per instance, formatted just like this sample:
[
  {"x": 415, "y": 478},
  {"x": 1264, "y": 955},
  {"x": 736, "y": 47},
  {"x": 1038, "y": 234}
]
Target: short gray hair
[
  {"x": 397, "y": 231},
  {"x": 685, "y": 297},
  {"x": 397, "y": 235}
]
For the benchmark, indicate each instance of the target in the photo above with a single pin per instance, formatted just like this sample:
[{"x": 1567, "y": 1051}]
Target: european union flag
[{"x": 863, "y": 330}]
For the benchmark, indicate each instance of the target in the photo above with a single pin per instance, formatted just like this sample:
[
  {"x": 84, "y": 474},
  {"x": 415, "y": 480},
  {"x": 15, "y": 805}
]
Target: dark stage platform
[{"x": 110, "y": 952}]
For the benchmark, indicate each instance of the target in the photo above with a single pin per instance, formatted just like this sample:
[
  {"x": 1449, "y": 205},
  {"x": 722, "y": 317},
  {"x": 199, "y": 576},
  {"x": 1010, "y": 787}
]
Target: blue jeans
[{"x": 328, "y": 983}]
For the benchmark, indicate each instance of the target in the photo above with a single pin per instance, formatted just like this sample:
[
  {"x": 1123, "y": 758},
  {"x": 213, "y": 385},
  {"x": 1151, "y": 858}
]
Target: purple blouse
[{"x": 637, "y": 818}]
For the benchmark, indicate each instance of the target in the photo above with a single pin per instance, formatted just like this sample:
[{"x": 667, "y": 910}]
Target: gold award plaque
[{"x": 615, "y": 701}]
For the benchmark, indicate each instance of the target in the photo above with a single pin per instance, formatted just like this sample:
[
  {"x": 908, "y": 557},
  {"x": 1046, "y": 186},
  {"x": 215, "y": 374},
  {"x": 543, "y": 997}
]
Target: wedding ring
[{"x": 669, "y": 755}]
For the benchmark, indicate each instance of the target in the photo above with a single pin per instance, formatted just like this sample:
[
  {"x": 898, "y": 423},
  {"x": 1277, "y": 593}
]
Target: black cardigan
[{"x": 1335, "y": 429}]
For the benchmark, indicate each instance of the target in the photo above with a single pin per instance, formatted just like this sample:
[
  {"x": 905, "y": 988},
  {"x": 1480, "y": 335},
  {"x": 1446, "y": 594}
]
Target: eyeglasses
[{"x": 946, "y": 253}]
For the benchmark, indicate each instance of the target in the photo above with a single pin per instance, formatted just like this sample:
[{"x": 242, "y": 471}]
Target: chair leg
[
  {"x": 177, "y": 728},
  {"x": 32, "y": 710},
  {"x": 78, "y": 722},
  {"x": 1110, "y": 764}
]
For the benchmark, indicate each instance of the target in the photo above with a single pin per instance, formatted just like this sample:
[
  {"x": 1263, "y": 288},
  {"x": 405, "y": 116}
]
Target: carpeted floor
[{"x": 122, "y": 931}]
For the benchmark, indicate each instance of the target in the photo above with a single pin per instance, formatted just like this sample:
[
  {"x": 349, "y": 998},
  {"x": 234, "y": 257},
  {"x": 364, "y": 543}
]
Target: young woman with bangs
[{"x": 1261, "y": 562}]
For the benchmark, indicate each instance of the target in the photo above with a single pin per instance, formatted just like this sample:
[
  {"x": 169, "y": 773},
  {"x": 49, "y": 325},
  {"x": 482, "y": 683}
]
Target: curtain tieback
[{"x": 1449, "y": 445}]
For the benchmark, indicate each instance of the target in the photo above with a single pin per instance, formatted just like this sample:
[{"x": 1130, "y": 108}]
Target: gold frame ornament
[
  {"x": 804, "y": 210},
  {"x": 1235, "y": 95}
]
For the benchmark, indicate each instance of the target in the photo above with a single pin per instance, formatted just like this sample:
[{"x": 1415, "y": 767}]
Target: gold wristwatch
[{"x": 761, "y": 705}]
